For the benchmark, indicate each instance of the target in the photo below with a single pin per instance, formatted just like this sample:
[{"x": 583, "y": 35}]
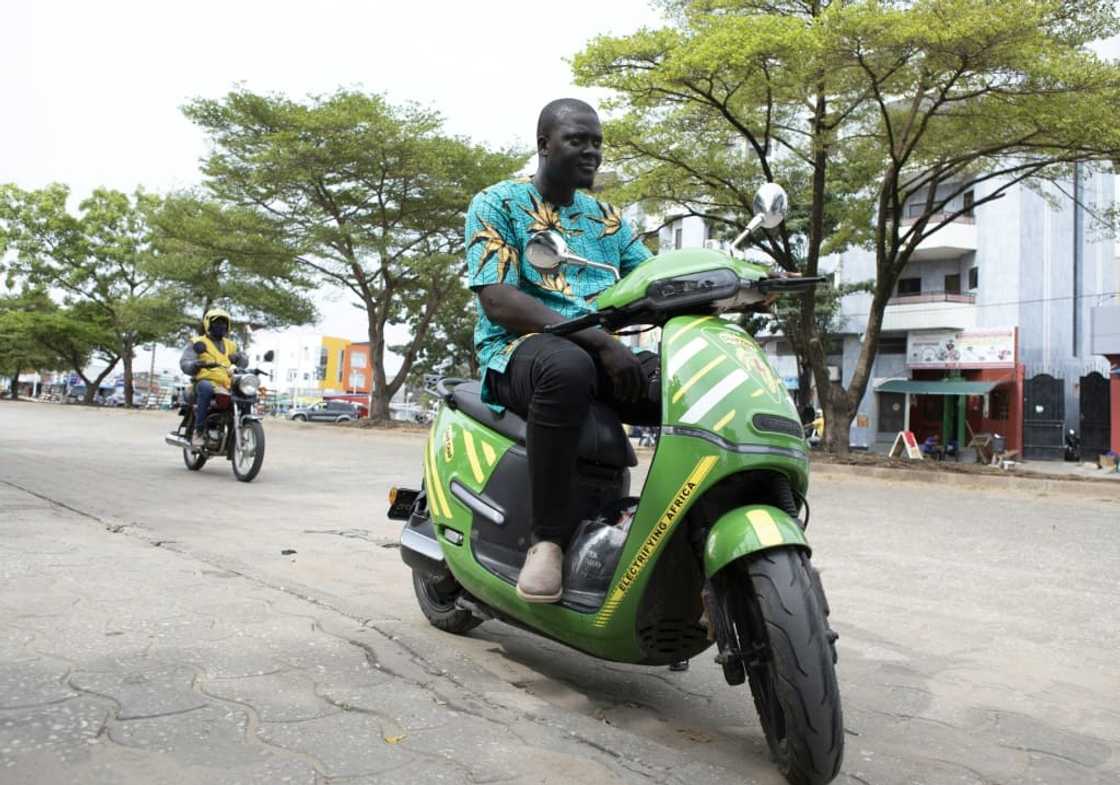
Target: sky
[{"x": 91, "y": 91}]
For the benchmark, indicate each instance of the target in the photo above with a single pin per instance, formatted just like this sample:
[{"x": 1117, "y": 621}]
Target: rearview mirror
[
  {"x": 269, "y": 355},
  {"x": 546, "y": 250},
  {"x": 770, "y": 202}
]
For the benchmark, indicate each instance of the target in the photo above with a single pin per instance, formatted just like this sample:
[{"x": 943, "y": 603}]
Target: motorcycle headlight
[
  {"x": 247, "y": 384},
  {"x": 694, "y": 288}
]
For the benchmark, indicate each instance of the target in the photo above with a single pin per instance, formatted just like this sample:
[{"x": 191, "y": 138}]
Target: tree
[
  {"x": 210, "y": 255},
  {"x": 19, "y": 349},
  {"x": 448, "y": 348},
  {"x": 98, "y": 261},
  {"x": 879, "y": 116},
  {"x": 371, "y": 196}
]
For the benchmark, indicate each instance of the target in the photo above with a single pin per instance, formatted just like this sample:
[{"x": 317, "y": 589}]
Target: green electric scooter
[{"x": 714, "y": 549}]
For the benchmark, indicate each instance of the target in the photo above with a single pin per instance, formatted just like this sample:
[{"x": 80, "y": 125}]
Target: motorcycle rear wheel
[
  {"x": 784, "y": 635},
  {"x": 248, "y": 459}
]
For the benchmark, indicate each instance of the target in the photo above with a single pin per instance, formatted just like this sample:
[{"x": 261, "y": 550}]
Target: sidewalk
[{"x": 126, "y": 664}]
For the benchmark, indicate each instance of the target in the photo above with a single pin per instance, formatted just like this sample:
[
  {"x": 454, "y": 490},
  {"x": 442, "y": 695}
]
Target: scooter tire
[
  {"x": 194, "y": 460},
  {"x": 795, "y": 689},
  {"x": 437, "y": 603}
]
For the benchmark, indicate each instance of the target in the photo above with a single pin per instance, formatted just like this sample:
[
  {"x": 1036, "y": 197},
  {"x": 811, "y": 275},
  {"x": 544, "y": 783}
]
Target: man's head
[
  {"x": 216, "y": 323},
  {"x": 569, "y": 143}
]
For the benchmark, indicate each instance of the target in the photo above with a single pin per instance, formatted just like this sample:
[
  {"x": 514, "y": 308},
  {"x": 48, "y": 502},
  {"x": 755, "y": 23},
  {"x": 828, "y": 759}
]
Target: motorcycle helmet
[{"x": 211, "y": 323}]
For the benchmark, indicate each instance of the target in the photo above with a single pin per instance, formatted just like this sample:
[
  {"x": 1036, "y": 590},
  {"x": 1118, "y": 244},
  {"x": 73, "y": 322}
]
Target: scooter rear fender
[{"x": 746, "y": 530}]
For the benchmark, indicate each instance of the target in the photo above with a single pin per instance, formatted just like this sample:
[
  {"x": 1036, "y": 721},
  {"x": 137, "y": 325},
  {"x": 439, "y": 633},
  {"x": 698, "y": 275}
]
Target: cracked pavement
[{"x": 142, "y": 643}]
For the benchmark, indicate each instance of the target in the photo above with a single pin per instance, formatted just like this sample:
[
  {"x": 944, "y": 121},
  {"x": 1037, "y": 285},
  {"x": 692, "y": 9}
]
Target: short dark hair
[{"x": 553, "y": 111}]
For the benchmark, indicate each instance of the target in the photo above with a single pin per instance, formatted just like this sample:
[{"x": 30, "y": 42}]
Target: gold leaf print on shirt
[
  {"x": 496, "y": 246},
  {"x": 544, "y": 215},
  {"x": 556, "y": 282},
  {"x": 611, "y": 220}
]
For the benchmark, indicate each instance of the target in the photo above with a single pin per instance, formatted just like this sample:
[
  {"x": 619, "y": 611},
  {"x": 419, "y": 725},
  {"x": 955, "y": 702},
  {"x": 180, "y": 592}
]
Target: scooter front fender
[{"x": 747, "y": 530}]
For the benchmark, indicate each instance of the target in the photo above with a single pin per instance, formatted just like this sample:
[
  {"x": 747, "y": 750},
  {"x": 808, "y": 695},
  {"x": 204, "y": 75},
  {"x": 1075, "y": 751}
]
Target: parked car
[{"x": 326, "y": 411}]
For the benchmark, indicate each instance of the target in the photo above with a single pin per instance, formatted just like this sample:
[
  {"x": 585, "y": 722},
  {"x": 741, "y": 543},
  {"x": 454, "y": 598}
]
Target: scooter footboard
[{"x": 746, "y": 530}]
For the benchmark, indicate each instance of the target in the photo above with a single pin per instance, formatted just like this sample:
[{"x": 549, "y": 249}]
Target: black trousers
[{"x": 551, "y": 381}]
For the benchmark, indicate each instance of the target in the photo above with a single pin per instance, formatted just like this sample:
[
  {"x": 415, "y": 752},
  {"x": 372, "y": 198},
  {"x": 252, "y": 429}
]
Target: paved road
[{"x": 979, "y": 632}]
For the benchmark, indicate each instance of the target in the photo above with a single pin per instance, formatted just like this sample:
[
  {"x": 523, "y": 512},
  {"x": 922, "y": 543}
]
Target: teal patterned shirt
[{"x": 502, "y": 218}]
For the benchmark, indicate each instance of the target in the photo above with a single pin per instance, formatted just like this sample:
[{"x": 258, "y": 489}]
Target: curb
[{"x": 1083, "y": 488}]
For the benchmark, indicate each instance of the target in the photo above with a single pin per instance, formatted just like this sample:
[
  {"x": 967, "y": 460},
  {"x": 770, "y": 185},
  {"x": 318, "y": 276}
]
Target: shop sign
[{"x": 993, "y": 348}]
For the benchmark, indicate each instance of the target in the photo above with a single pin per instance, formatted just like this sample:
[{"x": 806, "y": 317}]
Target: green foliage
[
  {"x": 97, "y": 260},
  {"x": 212, "y": 255},
  {"x": 857, "y": 108},
  {"x": 370, "y": 196}
]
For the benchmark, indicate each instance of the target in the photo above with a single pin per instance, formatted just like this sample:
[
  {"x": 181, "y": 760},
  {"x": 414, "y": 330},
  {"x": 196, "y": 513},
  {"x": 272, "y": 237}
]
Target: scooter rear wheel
[
  {"x": 786, "y": 641},
  {"x": 437, "y": 603}
]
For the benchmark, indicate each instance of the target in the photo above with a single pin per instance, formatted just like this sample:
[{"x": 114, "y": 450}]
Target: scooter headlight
[
  {"x": 683, "y": 290},
  {"x": 248, "y": 384}
]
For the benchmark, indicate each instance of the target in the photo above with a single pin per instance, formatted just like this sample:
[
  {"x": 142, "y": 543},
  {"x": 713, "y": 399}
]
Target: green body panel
[
  {"x": 715, "y": 377},
  {"x": 670, "y": 264},
  {"x": 693, "y": 454},
  {"x": 458, "y": 449},
  {"x": 747, "y": 530}
]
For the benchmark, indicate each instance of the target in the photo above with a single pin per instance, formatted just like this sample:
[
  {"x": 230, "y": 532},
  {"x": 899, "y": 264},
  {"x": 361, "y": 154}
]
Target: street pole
[{"x": 151, "y": 377}]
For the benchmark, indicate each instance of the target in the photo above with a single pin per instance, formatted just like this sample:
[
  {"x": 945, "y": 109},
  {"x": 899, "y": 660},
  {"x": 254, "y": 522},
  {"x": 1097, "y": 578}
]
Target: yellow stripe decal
[
  {"x": 724, "y": 420},
  {"x": 437, "y": 482},
  {"x": 697, "y": 377},
  {"x": 656, "y": 538},
  {"x": 764, "y": 527},
  {"x": 677, "y": 335},
  {"x": 472, "y": 457},
  {"x": 488, "y": 453},
  {"x": 757, "y": 393}
]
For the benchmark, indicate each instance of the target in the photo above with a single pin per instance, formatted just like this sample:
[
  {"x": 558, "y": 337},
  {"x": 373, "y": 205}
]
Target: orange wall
[{"x": 348, "y": 367}]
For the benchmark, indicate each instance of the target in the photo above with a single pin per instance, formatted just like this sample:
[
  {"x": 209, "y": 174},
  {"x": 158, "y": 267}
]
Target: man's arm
[
  {"x": 188, "y": 362},
  {"x": 521, "y": 314}
]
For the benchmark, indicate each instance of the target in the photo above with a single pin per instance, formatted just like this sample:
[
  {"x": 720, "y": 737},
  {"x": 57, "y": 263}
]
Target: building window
[
  {"x": 306, "y": 377},
  {"x": 293, "y": 374},
  {"x": 322, "y": 357},
  {"x": 953, "y": 283},
  {"x": 969, "y": 201},
  {"x": 678, "y": 238},
  {"x": 358, "y": 360},
  {"x": 341, "y": 362},
  {"x": 973, "y": 278},
  {"x": 909, "y": 286},
  {"x": 892, "y": 344}
]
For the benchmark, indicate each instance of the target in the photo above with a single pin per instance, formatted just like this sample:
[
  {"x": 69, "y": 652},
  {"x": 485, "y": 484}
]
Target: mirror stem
[{"x": 754, "y": 224}]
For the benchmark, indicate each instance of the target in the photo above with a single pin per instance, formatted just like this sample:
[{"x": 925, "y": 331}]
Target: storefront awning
[{"x": 945, "y": 387}]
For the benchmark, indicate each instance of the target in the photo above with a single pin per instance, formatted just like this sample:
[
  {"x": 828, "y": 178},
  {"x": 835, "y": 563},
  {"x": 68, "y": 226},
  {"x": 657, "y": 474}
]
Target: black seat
[{"x": 602, "y": 439}]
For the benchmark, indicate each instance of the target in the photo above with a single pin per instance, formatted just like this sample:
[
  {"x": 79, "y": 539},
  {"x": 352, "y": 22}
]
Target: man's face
[{"x": 573, "y": 151}]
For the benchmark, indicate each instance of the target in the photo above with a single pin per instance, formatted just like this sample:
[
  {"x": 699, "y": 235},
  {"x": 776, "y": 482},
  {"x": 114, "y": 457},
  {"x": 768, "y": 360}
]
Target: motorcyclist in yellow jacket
[{"x": 208, "y": 360}]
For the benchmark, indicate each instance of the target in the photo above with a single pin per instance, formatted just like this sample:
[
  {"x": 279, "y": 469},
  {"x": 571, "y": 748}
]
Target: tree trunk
[
  {"x": 126, "y": 359},
  {"x": 379, "y": 388},
  {"x": 92, "y": 388},
  {"x": 838, "y": 418},
  {"x": 13, "y": 386}
]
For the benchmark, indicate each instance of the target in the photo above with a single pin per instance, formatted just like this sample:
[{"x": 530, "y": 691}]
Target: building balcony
[
  {"x": 955, "y": 239},
  {"x": 930, "y": 311}
]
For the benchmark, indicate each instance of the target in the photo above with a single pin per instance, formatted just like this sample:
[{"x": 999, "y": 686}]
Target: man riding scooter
[
  {"x": 551, "y": 380},
  {"x": 207, "y": 360}
]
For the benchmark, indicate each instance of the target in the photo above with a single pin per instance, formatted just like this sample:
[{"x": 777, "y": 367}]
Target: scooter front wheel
[
  {"x": 787, "y": 645},
  {"x": 437, "y": 603}
]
